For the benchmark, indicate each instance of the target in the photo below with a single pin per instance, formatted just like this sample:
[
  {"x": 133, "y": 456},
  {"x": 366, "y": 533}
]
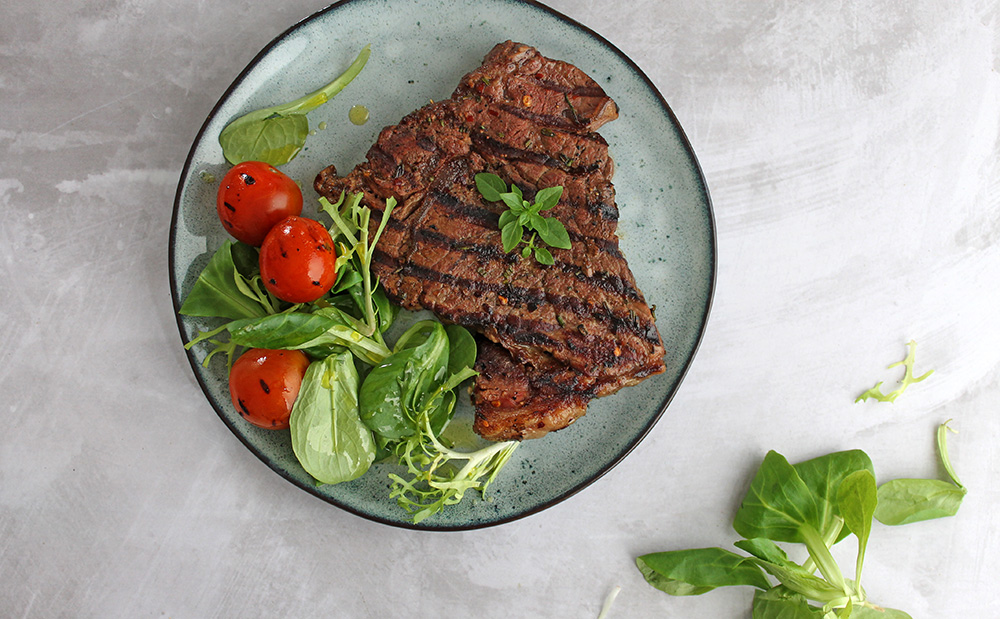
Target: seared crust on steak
[{"x": 552, "y": 337}]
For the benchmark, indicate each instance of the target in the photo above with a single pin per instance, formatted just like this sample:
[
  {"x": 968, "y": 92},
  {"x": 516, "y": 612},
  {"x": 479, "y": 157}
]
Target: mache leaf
[
  {"x": 699, "y": 570},
  {"x": 778, "y": 504},
  {"x": 823, "y": 476},
  {"x": 276, "y": 134},
  {"x": 328, "y": 438},
  {"x": 217, "y": 291},
  {"x": 857, "y": 498},
  {"x": 779, "y": 603},
  {"x": 903, "y": 501},
  {"x": 870, "y": 612}
]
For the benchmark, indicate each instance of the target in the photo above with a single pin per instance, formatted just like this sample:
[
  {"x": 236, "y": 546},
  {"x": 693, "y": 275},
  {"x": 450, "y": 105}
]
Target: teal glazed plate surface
[{"x": 420, "y": 50}]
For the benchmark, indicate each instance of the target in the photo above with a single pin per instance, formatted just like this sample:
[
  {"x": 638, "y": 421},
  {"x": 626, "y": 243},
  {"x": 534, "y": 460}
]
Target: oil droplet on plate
[{"x": 358, "y": 115}]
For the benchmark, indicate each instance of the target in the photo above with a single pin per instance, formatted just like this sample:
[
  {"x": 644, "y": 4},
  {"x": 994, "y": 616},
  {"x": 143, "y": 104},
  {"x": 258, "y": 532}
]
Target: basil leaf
[
  {"x": 216, "y": 292},
  {"x": 514, "y": 201},
  {"x": 903, "y": 501},
  {"x": 823, "y": 476},
  {"x": 490, "y": 186},
  {"x": 328, "y": 437},
  {"x": 511, "y": 235},
  {"x": 555, "y": 234},
  {"x": 778, "y": 504},
  {"x": 699, "y": 570},
  {"x": 544, "y": 256},
  {"x": 506, "y": 217},
  {"x": 548, "y": 198},
  {"x": 780, "y": 604},
  {"x": 538, "y": 223}
]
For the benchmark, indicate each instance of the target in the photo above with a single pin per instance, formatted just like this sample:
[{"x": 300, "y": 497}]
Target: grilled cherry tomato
[
  {"x": 253, "y": 197},
  {"x": 298, "y": 261},
  {"x": 264, "y": 384}
]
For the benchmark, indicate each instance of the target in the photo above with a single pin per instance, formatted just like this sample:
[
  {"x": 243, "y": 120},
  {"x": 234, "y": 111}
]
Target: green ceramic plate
[{"x": 420, "y": 50}]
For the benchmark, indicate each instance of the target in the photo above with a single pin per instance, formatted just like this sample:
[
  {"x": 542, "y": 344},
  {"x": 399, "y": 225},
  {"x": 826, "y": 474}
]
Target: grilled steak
[{"x": 551, "y": 337}]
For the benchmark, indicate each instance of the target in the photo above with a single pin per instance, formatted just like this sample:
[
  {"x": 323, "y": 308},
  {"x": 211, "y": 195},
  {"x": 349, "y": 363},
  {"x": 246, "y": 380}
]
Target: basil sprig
[{"x": 522, "y": 216}]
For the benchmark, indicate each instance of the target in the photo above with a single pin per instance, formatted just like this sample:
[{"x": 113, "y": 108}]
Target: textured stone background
[{"x": 851, "y": 149}]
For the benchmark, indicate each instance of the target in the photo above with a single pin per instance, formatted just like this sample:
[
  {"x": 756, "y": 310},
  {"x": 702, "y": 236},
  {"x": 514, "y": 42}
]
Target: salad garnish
[
  {"x": 276, "y": 134},
  {"x": 359, "y": 400},
  {"x": 816, "y": 503},
  {"x": 906, "y": 381}
]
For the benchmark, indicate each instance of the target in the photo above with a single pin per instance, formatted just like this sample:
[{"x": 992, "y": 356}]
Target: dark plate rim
[{"x": 174, "y": 287}]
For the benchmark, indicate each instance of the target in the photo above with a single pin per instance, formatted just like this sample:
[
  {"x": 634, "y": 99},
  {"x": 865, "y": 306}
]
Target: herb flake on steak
[{"x": 551, "y": 338}]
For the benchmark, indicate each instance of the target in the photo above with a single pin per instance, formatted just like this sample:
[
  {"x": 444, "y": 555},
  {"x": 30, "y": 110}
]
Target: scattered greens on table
[
  {"x": 907, "y": 380},
  {"x": 522, "y": 215},
  {"x": 396, "y": 405},
  {"x": 276, "y": 134},
  {"x": 816, "y": 503}
]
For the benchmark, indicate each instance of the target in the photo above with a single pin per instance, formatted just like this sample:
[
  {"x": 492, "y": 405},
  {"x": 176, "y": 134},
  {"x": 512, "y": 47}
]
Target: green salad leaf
[
  {"x": 823, "y": 476},
  {"x": 408, "y": 400},
  {"x": 857, "y": 497},
  {"x": 395, "y": 390},
  {"x": 699, "y": 570},
  {"x": 902, "y": 501},
  {"x": 778, "y": 505},
  {"x": 276, "y": 134},
  {"x": 781, "y": 603},
  {"x": 816, "y": 503},
  {"x": 339, "y": 424},
  {"x": 328, "y": 437},
  {"x": 223, "y": 290}
]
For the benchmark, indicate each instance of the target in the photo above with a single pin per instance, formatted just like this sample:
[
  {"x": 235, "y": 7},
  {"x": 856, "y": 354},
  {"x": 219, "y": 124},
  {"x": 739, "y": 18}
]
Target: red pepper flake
[
  {"x": 539, "y": 76},
  {"x": 503, "y": 299},
  {"x": 618, "y": 351},
  {"x": 526, "y": 100}
]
